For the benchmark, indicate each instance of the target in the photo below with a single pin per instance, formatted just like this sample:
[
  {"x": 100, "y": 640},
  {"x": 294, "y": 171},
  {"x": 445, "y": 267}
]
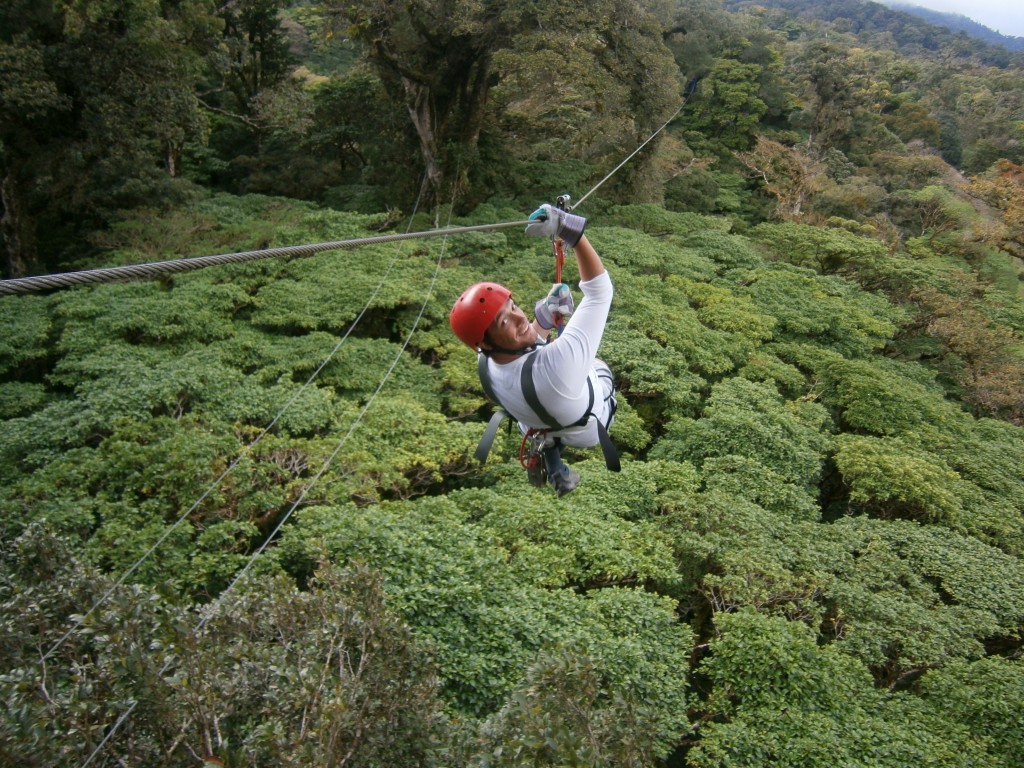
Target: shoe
[{"x": 565, "y": 481}]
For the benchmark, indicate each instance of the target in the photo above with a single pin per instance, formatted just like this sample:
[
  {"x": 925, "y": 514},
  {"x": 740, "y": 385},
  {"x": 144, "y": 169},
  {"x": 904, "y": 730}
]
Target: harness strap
[
  {"x": 484, "y": 446},
  {"x": 611, "y": 455},
  {"x": 530, "y": 393},
  {"x": 485, "y": 379}
]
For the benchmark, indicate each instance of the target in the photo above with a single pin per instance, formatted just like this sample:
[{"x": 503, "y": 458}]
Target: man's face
[{"x": 511, "y": 329}]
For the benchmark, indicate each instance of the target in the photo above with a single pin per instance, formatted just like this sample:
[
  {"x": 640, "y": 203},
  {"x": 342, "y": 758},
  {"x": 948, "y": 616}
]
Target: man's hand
[
  {"x": 558, "y": 301},
  {"x": 551, "y": 222}
]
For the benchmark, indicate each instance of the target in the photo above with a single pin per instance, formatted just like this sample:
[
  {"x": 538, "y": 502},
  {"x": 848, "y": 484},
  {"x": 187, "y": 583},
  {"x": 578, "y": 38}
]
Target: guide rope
[
  {"x": 337, "y": 449},
  {"x": 246, "y": 450},
  {"x": 215, "y": 606}
]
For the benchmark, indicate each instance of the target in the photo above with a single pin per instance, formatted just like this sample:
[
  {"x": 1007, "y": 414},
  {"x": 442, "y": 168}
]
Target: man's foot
[{"x": 565, "y": 480}]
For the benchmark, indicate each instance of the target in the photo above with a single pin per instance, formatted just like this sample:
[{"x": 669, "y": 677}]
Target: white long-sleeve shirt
[{"x": 561, "y": 371}]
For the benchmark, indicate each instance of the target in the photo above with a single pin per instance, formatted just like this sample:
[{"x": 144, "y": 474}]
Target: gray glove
[
  {"x": 548, "y": 221},
  {"x": 558, "y": 300}
]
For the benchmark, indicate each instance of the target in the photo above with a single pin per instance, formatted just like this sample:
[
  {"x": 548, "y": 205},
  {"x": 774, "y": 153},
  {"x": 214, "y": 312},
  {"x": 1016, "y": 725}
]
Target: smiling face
[{"x": 511, "y": 329}]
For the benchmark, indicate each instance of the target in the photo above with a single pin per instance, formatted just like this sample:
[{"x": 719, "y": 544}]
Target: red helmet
[{"x": 475, "y": 310}]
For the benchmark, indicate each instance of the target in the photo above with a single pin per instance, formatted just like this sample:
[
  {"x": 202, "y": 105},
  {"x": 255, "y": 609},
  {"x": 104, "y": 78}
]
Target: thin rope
[
  {"x": 631, "y": 155},
  {"x": 211, "y": 612},
  {"x": 110, "y": 733},
  {"x": 337, "y": 449},
  {"x": 81, "y": 619},
  {"x": 159, "y": 268}
]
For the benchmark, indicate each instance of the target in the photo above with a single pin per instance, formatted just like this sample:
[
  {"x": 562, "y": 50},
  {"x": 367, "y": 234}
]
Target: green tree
[
  {"x": 729, "y": 108},
  {"x": 832, "y": 311},
  {"x": 611, "y": 697},
  {"x": 328, "y": 674},
  {"x": 842, "y": 94},
  {"x": 257, "y": 48},
  {"x": 823, "y": 249},
  {"x": 332, "y": 677},
  {"x": 911, "y": 120},
  {"x": 98, "y": 101},
  {"x": 979, "y": 696},
  {"x": 778, "y": 698},
  {"x": 443, "y": 60},
  {"x": 751, "y": 420},
  {"x": 28, "y": 99}
]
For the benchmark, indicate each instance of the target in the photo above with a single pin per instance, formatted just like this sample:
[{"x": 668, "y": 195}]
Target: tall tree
[
  {"x": 728, "y": 109},
  {"x": 257, "y": 47},
  {"x": 441, "y": 60},
  {"x": 29, "y": 99},
  {"x": 96, "y": 101},
  {"x": 1002, "y": 188},
  {"x": 789, "y": 174}
]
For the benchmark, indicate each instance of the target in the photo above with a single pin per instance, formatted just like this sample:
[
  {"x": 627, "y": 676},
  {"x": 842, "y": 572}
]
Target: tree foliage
[
  {"x": 239, "y": 515},
  {"x": 98, "y": 95}
]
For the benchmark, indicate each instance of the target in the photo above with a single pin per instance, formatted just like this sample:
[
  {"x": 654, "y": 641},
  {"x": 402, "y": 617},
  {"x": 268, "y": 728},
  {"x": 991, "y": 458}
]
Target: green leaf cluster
[{"x": 809, "y": 547}]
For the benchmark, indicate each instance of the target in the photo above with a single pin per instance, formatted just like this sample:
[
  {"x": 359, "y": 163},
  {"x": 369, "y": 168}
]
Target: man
[{"x": 558, "y": 390}]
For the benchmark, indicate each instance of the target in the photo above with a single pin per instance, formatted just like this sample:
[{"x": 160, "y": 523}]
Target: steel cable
[{"x": 155, "y": 269}]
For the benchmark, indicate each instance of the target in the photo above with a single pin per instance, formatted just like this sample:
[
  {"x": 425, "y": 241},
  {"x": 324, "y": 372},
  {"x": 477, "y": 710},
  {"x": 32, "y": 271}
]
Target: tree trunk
[
  {"x": 424, "y": 120},
  {"x": 172, "y": 156},
  {"x": 15, "y": 230}
]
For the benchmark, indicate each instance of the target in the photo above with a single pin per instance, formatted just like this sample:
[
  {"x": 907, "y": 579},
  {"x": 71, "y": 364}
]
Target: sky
[{"x": 1005, "y": 16}]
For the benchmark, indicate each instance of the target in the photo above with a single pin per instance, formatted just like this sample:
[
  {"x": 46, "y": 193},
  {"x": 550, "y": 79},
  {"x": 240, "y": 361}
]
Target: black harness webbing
[
  {"x": 611, "y": 455},
  {"x": 484, "y": 446}
]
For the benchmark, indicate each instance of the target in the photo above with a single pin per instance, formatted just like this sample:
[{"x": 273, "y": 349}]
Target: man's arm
[
  {"x": 590, "y": 266},
  {"x": 587, "y": 259}
]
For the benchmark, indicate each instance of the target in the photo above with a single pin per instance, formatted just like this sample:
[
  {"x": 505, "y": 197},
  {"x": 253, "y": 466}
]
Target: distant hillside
[
  {"x": 910, "y": 29},
  {"x": 958, "y": 23}
]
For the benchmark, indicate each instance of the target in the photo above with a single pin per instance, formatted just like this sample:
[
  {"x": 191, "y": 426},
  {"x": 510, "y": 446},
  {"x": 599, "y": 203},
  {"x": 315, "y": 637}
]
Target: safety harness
[{"x": 611, "y": 455}]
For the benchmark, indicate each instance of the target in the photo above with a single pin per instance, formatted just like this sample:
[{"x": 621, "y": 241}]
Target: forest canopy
[{"x": 240, "y": 518}]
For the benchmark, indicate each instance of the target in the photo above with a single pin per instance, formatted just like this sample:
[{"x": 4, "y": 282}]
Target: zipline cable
[
  {"x": 159, "y": 268},
  {"x": 82, "y": 618},
  {"x": 211, "y": 612},
  {"x": 151, "y": 270},
  {"x": 630, "y": 157}
]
